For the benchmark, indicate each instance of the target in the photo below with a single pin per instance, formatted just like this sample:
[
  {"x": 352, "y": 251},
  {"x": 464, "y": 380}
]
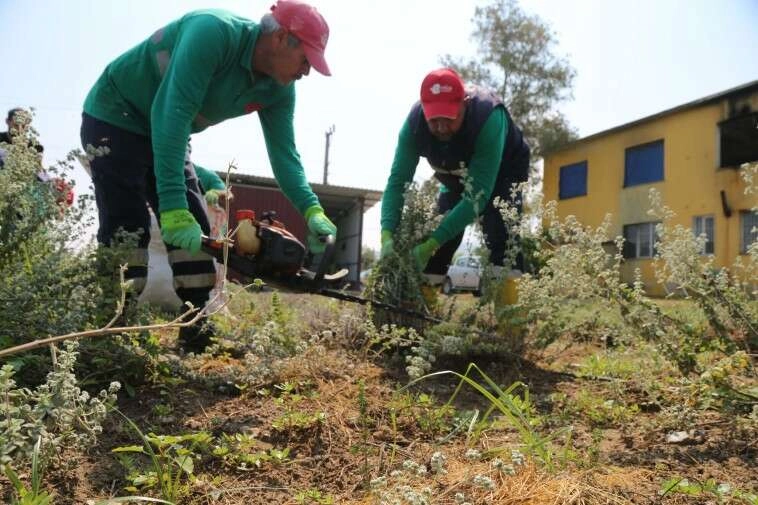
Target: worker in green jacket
[
  {"x": 477, "y": 153},
  {"x": 204, "y": 68}
]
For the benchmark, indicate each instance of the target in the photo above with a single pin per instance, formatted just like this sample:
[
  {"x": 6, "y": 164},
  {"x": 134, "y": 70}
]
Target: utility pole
[{"x": 328, "y": 134}]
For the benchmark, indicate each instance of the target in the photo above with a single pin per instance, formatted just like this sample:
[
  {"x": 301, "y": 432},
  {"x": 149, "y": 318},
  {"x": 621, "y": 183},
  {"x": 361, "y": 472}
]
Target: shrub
[
  {"x": 58, "y": 412},
  {"x": 723, "y": 296},
  {"x": 50, "y": 283},
  {"x": 395, "y": 279}
]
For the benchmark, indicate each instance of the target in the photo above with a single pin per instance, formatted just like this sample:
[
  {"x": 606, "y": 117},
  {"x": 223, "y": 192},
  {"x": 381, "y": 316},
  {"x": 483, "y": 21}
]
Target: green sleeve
[
  {"x": 403, "y": 169},
  {"x": 197, "y": 54},
  {"x": 208, "y": 178},
  {"x": 482, "y": 173},
  {"x": 279, "y": 134}
]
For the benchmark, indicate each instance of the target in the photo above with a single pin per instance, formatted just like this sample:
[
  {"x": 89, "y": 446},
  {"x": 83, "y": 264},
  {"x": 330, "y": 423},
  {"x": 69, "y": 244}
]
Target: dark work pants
[
  {"x": 124, "y": 183},
  {"x": 495, "y": 231}
]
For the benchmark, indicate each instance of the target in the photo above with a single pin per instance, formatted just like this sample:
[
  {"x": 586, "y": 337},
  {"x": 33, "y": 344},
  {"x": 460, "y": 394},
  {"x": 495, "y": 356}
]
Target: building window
[
  {"x": 748, "y": 230},
  {"x": 573, "y": 180},
  {"x": 703, "y": 225},
  {"x": 640, "y": 240},
  {"x": 643, "y": 164},
  {"x": 739, "y": 140}
]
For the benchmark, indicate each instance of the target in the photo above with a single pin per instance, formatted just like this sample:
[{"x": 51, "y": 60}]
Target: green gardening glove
[
  {"x": 319, "y": 226},
  {"x": 180, "y": 229},
  {"x": 212, "y": 195},
  {"x": 423, "y": 252},
  {"x": 388, "y": 244}
]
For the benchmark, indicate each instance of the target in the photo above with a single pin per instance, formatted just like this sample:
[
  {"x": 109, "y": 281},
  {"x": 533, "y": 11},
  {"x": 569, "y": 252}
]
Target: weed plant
[
  {"x": 707, "y": 490},
  {"x": 53, "y": 281},
  {"x": 514, "y": 409},
  {"x": 244, "y": 452},
  {"x": 724, "y": 297},
  {"x": 48, "y": 286},
  {"x": 294, "y": 419},
  {"x": 314, "y": 497},
  {"x": 32, "y": 495},
  {"x": 57, "y": 415},
  {"x": 395, "y": 279},
  {"x": 172, "y": 461},
  {"x": 580, "y": 268}
]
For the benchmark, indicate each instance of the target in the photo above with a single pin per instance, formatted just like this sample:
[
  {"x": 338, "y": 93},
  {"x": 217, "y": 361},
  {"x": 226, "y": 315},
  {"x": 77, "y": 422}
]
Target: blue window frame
[
  {"x": 573, "y": 180},
  {"x": 643, "y": 164}
]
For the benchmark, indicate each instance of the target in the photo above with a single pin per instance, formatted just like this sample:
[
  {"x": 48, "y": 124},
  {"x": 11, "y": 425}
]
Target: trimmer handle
[{"x": 326, "y": 259}]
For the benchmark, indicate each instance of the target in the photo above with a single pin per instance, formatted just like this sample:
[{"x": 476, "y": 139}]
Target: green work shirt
[
  {"x": 193, "y": 73},
  {"x": 482, "y": 171}
]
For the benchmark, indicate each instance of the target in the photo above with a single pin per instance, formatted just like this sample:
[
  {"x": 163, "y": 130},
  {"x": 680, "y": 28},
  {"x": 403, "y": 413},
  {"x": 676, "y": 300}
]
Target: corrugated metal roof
[
  {"x": 679, "y": 108},
  {"x": 370, "y": 196}
]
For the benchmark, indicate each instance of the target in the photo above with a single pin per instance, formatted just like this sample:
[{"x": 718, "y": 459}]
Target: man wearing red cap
[
  {"x": 463, "y": 132},
  {"x": 204, "y": 68}
]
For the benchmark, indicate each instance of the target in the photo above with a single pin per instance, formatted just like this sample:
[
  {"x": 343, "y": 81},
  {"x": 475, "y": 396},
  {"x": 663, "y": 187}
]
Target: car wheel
[
  {"x": 447, "y": 286},
  {"x": 478, "y": 290}
]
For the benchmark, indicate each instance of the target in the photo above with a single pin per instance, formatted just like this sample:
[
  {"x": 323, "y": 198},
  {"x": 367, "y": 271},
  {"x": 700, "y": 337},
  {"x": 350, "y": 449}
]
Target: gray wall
[{"x": 348, "y": 254}]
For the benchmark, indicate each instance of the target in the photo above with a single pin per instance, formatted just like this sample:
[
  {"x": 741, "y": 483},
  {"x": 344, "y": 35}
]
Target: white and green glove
[{"x": 319, "y": 226}]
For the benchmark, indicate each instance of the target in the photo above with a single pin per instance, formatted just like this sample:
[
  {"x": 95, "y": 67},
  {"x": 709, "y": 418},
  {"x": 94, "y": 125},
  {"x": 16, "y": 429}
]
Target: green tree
[{"x": 516, "y": 59}]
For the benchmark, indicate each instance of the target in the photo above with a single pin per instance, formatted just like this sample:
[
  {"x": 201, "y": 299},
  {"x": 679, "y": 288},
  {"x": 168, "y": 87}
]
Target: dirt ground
[{"x": 334, "y": 460}]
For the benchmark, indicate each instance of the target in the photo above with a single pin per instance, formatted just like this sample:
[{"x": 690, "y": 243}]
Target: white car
[{"x": 464, "y": 274}]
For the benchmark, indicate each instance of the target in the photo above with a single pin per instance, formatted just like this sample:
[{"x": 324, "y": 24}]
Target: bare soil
[{"x": 340, "y": 455}]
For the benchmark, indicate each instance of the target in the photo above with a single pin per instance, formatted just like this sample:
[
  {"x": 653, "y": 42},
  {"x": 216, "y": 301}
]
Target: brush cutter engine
[{"x": 280, "y": 251}]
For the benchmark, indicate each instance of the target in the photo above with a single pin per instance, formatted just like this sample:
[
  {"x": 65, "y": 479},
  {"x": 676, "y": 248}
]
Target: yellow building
[{"x": 691, "y": 154}]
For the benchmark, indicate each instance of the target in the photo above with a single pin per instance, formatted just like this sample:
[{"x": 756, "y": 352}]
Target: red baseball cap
[
  {"x": 304, "y": 22},
  {"x": 442, "y": 94}
]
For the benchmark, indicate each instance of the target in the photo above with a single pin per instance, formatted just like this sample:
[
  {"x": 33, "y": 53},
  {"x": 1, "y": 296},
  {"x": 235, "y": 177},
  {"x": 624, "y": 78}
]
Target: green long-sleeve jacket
[
  {"x": 208, "y": 178},
  {"x": 193, "y": 73},
  {"x": 482, "y": 171}
]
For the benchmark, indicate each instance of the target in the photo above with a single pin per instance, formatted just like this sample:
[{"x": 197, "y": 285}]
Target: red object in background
[
  {"x": 65, "y": 192},
  {"x": 262, "y": 200}
]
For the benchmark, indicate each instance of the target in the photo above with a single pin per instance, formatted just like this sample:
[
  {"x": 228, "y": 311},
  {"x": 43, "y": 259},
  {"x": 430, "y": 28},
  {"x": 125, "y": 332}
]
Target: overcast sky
[{"x": 632, "y": 59}]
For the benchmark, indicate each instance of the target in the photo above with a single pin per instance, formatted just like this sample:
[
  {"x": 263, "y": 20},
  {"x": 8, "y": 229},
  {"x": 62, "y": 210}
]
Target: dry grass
[
  {"x": 529, "y": 486},
  {"x": 341, "y": 454}
]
